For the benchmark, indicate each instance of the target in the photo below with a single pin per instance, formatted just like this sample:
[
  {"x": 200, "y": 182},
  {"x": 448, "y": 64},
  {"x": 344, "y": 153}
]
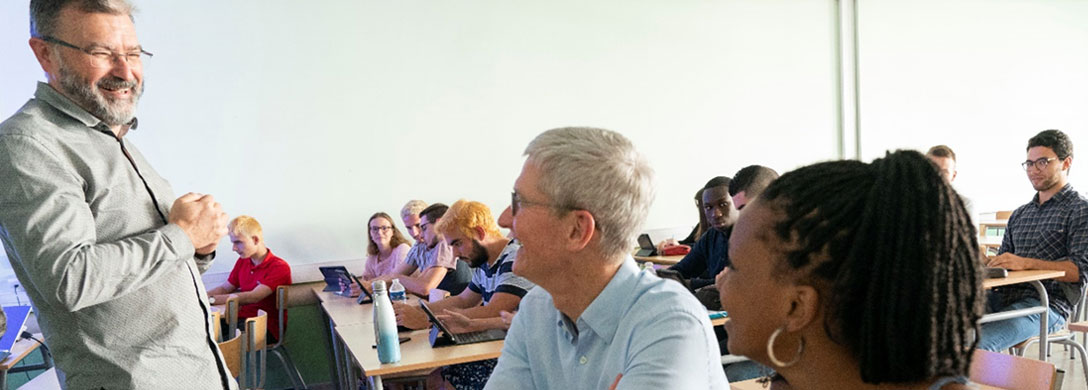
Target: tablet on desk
[
  {"x": 334, "y": 274},
  {"x": 16, "y": 322},
  {"x": 645, "y": 246},
  {"x": 450, "y": 338}
]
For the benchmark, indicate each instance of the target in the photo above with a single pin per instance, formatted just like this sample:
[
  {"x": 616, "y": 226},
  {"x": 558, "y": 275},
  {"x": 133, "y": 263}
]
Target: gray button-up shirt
[{"x": 117, "y": 290}]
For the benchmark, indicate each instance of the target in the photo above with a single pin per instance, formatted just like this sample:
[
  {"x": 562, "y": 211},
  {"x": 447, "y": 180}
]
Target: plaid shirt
[{"x": 1053, "y": 231}]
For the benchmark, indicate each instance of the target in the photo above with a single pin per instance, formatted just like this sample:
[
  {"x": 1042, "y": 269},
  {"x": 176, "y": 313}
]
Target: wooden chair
[
  {"x": 232, "y": 353},
  {"x": 256, "y": 351},
  {"x": 232, "y": 315},
  {"x": 217, "y": 325},
  {"x": 279, "y": 349},
  {"x": 1003, "y": 215},
  {"x": 1012, "y": 372}
]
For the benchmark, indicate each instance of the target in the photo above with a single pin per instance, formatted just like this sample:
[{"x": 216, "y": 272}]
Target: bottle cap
[{"x": 378, "y": 286}]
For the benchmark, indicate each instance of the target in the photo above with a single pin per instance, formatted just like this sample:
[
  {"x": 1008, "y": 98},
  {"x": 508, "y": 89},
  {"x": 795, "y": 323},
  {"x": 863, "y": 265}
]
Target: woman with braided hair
[{"x": 848, "y": 275}]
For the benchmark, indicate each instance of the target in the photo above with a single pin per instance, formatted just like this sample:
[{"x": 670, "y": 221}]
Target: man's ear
[
  {"x": 480, "y": 233},
  {"x": 1067, "y": 163},
  {"x": 43, "y": 51},
  {"x": 256, "y": 239},
  {"x": 581, "y": 227}
]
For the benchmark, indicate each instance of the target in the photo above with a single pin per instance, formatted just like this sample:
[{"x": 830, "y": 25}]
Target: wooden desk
[
  {"x": 661, "y": 260},
  {"x": 20, "y": 350},
  {"x": 336, "y": 311},
  {"x": 1034, "y": 277},
  {"x": 1021, "y": 277},
  {"x": 415, "y": 354},
  {"x": 343, "y": 310}
]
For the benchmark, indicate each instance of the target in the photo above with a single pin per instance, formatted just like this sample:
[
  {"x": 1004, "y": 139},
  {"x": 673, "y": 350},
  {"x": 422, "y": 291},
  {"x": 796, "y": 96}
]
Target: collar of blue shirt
[{"x": 601, "y": 314}]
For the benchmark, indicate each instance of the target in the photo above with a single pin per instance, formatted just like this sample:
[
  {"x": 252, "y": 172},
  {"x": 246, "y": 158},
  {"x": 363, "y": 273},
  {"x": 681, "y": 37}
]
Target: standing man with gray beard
[{"x": 109, "y": 259}]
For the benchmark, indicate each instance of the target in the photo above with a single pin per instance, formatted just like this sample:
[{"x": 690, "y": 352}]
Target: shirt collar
[
  {"x": 1059, "y": 197},
  {"x": 264, "y": 263},
  {"x": 51, "y": 96},
  {"x": 601, "y": 314},
  {"x": 507, "y": 250}
]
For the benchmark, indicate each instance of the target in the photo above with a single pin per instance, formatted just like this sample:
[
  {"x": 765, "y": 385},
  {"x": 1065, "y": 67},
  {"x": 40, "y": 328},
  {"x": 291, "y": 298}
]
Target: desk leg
[
  {"x": 4, "y": 380},
  {"x": 378, "y": 382},
  {"x": 334, "y": 364},
  {"x": 1044, "y": 317}
]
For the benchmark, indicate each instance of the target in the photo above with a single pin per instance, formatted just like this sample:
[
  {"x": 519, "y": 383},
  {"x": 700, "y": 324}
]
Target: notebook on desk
[
  {"x": 16, "y": 323},
  {"x": 451, "y": 338}
]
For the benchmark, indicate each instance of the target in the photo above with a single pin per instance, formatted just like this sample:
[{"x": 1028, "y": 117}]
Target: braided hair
[{"x": 891, "y": 249}]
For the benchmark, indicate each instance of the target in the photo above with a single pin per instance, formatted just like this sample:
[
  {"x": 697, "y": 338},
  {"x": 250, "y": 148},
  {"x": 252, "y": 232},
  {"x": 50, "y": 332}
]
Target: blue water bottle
[{"x": 385, "y": 325}]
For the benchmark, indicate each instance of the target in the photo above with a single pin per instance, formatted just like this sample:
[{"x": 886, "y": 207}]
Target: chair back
[
  {"x": 1003, "y": 215},
  {"x": 232, "y": 315},
  {"x": 256, "y": 347},
  {"x": 232, "y": 353},
  {"x": 1012, "y": 372},
  {"x": 281, "y": 313},
  {"x": 217, "y": 325}
]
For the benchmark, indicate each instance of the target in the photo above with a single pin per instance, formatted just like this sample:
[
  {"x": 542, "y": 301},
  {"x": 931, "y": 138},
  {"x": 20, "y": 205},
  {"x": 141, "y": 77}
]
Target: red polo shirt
[{"x": 272, "y": 272}]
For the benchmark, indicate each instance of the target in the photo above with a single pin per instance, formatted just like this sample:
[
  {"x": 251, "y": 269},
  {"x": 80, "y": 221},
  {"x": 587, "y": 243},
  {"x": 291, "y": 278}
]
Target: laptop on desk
[
  {"x": 450, "y": 338},
  {"x": 16, "y": 323}
]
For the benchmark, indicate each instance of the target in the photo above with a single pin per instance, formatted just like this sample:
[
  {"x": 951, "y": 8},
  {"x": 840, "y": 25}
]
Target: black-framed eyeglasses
[
  {"x": 1040, "y": 163},
  {"x": 516, "y": 202},
  {"x": 102, "y": 56},
  {"x": 375, "y": 229}
]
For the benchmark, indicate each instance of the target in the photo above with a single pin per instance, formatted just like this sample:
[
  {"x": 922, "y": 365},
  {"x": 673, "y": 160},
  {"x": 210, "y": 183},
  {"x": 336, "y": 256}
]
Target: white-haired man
[{"x": 596, "y": 322}]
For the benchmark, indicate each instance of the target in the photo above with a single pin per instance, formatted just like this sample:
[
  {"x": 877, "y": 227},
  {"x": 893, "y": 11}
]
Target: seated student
[
  {"x": 596, "y": 320},
  {"x": 848, "y": 275},
  {"x": 386, "y": 247},
  {"x": 255, "y": 276},
  {"x": 472, "y": 233},
  {"x": 410, "y": 215},
  {"x": 709, "y": 255},
  {"x": 432, "y": 257},
  {"x": 1048, "y": 233},
  {"x": 696, "y": 232},
  {"x": 748, "y": 183}
]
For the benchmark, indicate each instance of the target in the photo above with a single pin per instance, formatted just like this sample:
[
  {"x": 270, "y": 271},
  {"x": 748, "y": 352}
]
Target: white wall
[
  {"x": 311, "y": 116},
  {"x": 982, "y": 76}
]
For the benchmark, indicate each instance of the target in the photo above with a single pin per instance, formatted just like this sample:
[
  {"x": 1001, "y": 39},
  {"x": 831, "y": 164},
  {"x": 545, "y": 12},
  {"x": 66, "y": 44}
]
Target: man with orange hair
[
  {"x": 471, "y": 231},
  {"x": 256, "y": 274}
]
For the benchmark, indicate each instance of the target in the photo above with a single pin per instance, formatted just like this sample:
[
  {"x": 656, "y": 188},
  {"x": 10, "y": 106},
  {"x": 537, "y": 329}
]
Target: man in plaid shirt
[{"x": 1050, "y": 232}]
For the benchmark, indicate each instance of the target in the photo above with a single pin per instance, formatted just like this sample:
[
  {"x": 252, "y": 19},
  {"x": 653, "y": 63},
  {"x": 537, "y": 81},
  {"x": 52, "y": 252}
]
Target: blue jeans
[{"x": 1000, "y": 335}]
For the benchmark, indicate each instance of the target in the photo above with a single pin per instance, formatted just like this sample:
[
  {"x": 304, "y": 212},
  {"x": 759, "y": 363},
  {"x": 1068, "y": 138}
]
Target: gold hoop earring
[{"x": 770, "y": 350}]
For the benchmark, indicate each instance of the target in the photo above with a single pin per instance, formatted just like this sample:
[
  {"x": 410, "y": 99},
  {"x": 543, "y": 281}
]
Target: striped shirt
[
  {"x": 1053, "y": 231},
  {"x": 499, "y": 277}
]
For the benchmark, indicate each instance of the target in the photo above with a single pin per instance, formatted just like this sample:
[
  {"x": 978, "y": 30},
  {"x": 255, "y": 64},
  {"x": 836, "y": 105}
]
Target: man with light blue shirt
[{"x": 597, "y": 322}]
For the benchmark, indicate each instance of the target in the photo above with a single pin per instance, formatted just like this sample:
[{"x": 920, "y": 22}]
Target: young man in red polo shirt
[{"x": 255, "y": 276}]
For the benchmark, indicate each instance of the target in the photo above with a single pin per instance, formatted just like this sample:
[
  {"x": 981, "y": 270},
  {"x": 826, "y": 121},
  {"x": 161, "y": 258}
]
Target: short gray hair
[
  {"x": 599, "y": 171},
  {"x": 413, "y": 207},
  {"x": 44, "y": 13}
]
